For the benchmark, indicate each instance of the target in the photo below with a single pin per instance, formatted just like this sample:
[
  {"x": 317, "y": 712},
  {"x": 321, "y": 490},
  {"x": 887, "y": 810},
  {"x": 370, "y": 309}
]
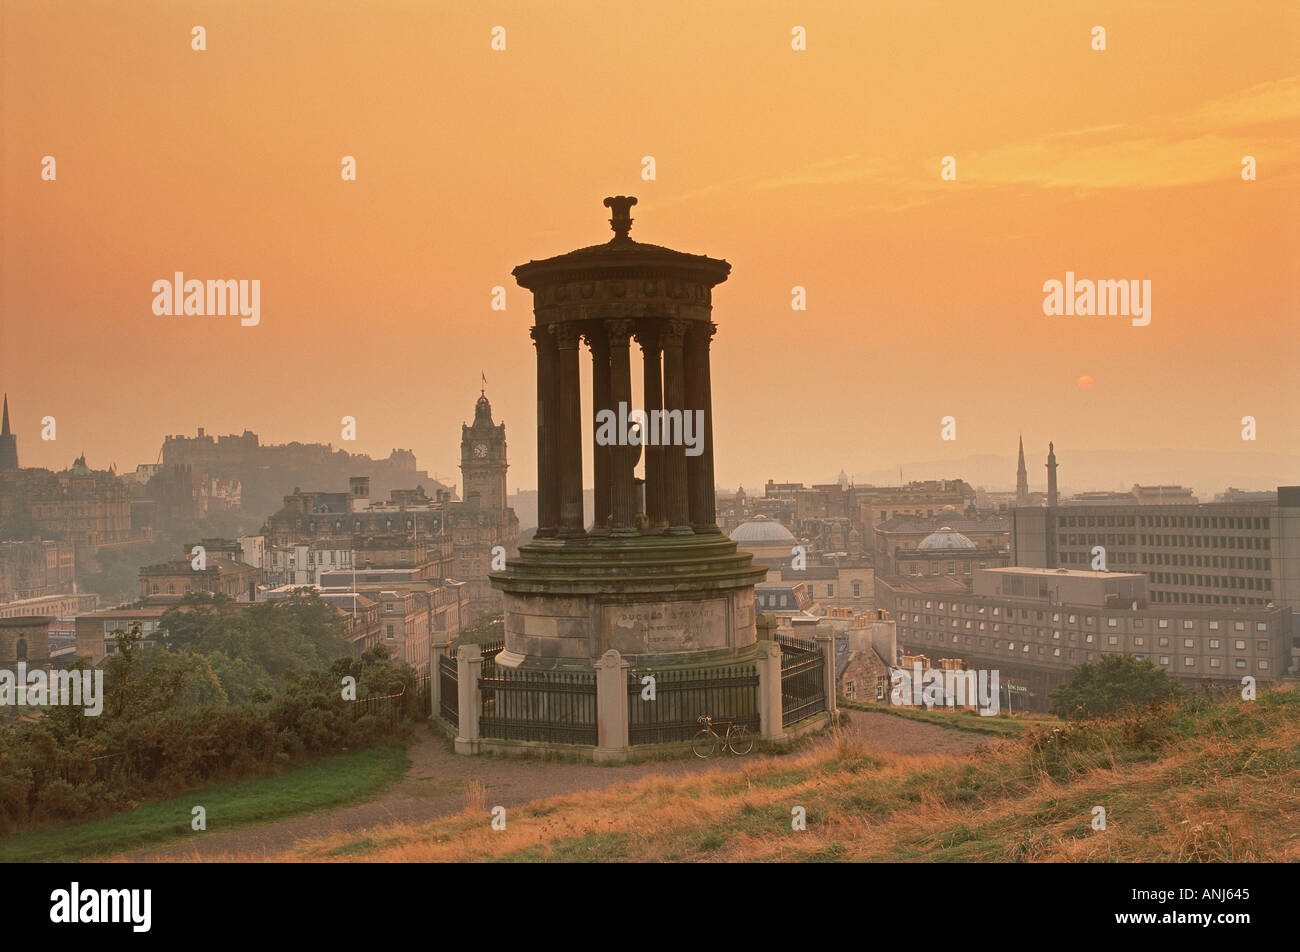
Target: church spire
[
  {"x": 1051, "y": 475},
  {"x": 1022, "y": 478},
  {"x": 8, "y": 442}
]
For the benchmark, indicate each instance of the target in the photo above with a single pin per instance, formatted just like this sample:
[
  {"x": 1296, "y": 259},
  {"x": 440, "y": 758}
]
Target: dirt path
[{"x": 435, "y": 786}]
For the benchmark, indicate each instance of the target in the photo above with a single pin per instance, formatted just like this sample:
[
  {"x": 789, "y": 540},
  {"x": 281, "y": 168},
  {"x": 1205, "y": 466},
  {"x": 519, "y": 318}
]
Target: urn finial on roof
[{"x": 620, "y": 205}]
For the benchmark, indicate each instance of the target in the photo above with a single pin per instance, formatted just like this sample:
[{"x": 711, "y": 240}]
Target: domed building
[
  {"x": 764, "y": 538},
  {"x": 947, "y": 552},
  {"x": 946, "y": 538}
]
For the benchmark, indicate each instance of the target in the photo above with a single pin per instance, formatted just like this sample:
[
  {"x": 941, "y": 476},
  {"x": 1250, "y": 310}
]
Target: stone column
[
  {"x": 622, "y": 465},
  {"x": 598, "y": 341},
  {"x": 648, "y": 338},
  {"x": 569, "y": 422},
  {"x": 770, "y": 725},
  {"x": 825, "y": 638},
  {"x": 676, "y": 501},
  {"x": 611, "y": 708},
  {"x": 469, "y": 665},
  {"x": 548, "y": 498},
  {"x": 699, "y": 397}
]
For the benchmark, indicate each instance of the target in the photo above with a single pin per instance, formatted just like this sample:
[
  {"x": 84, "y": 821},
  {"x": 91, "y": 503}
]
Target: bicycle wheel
[
  {"x": 705, "y": 743},
  {"x": 740, "y": 741}
]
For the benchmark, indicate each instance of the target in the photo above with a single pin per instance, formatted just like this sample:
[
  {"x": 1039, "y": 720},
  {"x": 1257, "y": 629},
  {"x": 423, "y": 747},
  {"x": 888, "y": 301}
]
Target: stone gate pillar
[
  {"x": 770, "y": 713},
  {"x": 611, "y": 708},
  {"x": 825, "y": 638},
  {"x": 469, "y": 665}
]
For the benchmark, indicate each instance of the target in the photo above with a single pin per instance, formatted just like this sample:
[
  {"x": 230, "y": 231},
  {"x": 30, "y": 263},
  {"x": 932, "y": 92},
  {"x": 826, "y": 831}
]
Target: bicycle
[{"x": 736, "y": 739}]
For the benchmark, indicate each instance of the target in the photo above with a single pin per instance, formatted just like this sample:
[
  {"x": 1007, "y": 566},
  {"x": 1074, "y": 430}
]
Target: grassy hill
[{"x": 1200, "y": 781}]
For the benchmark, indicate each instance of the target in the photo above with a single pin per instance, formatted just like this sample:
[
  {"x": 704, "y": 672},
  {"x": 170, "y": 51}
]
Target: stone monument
[{"x": 653, "y": 577}]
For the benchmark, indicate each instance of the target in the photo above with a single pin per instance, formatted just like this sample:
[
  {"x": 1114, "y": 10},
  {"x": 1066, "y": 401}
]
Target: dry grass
[{"x": 1198, "y": 781}]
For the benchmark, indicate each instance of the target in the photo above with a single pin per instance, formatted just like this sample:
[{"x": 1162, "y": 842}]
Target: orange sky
[{"x": 817, "y": 168}]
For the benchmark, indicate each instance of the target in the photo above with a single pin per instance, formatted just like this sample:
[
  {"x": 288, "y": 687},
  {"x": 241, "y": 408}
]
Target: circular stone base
[{"x": 664, "y": 600}]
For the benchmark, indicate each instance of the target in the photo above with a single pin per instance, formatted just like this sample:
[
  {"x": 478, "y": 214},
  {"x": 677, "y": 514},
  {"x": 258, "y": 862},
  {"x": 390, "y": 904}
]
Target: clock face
[{"x": 480, "y": 450}]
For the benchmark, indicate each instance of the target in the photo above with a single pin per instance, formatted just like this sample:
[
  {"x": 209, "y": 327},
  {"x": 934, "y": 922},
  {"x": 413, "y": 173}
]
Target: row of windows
[
  {"x": 1247, "y": 563},
  {"x": 1262, "y": 664},
  {"x": 1165, "y": 522},
  {"x": 1212, "y": 581},
  {"x": 1041, "y": 633},
  {"x": 949, "y": 568},
  {"x": 1112, "y": 621}
]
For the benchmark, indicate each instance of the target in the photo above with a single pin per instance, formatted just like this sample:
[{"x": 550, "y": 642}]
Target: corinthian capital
[
  {"x": 619, "y": 332},
  {"x": 566, "y": 334},
  {"x": 674, "y": 333}
]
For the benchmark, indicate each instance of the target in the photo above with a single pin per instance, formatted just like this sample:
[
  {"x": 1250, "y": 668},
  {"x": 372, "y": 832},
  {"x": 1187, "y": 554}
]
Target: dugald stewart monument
[{"x": 651, "y": 575}]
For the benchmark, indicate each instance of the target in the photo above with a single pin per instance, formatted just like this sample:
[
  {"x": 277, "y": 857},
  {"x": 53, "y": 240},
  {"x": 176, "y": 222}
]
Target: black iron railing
[
  {"x": 554, "y": 706},
  {"x": 448, "y": 692},
  {"x": 803, "y": 682},
  {"x": 667, "y": 708}
]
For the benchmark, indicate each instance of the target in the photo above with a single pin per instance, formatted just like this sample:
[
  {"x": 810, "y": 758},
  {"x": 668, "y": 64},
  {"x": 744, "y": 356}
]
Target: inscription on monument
[{"x": 665, "y": 627}]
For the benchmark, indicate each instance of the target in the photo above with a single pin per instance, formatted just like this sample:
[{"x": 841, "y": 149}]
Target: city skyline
[{"x": 925, "y": 296}]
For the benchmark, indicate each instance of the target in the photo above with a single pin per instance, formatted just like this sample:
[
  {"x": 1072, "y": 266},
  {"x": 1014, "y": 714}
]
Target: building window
[
  {"x": 1240, "y": 663},
  {"x": 1214, "y": 642},
  {"x": 857, "y": 589},
  {"x": 830, "y": 590},
  {"x": 1164, "y": 659},
  {"x": 1189, "y": 643},
  {"x": 1263, "y": 664},
  {"x": 1239, "y": 645},
  {"x": 1112, "y": 622},
  {"x": 1215, "y": 662},
  {"x": 1188, "y": 662}
]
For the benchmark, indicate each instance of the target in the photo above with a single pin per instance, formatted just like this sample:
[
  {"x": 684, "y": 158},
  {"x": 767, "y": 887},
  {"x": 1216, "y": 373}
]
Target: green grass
[
  {"x": 332, "y": 782},
  {"x": 1000, "y": 725}
]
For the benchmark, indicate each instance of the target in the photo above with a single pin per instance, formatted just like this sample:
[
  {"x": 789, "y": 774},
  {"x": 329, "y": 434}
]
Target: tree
[
  {"x": 485, "y": 630},
  {"x": 1110, "y": 684}
]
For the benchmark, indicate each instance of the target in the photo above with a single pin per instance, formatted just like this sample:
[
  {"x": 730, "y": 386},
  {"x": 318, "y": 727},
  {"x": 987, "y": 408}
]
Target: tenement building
[
  {"x": 654, "y": 577},
  {"x": 448, "y": 538},
  {"x": 89, "y": 508},
  {"x": 1036, "y": 625},
  {"x": 36, "y": 569}
]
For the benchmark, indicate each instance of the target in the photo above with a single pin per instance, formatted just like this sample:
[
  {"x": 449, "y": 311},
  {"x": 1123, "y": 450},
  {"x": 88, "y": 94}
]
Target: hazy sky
[{"x": 818, "y": 168}]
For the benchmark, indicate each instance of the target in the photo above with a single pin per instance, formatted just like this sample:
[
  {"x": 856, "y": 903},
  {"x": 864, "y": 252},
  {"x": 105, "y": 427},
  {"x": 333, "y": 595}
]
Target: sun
[{"x": 1084, "y": 382}]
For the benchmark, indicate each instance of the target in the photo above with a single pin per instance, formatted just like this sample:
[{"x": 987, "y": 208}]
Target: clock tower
[{"x": 483, "y": 458}]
